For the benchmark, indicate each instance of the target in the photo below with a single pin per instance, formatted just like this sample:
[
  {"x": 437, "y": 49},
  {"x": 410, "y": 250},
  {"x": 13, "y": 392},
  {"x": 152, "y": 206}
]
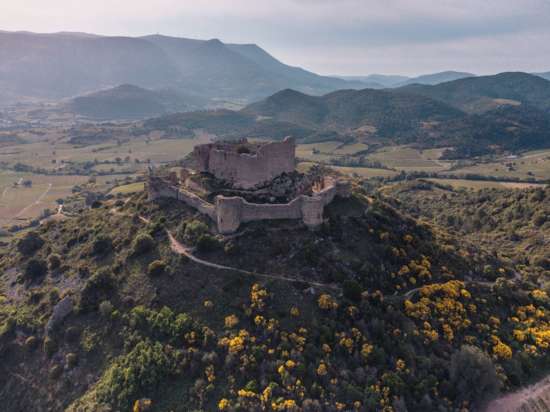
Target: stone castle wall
[
  {"x": 246, "y": 170},
  {"x": 230, "y": 212}
]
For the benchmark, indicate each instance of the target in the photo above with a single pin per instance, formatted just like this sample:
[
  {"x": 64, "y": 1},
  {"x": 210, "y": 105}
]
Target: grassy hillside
[
  {"x": 131, "y": 102},
  {"x": 476, "y": 94},
  {"x": 374, "y": 311}
]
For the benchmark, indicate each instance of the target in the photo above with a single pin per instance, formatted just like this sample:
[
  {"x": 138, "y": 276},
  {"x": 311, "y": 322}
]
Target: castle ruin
[{"x": 239, "y": 182}]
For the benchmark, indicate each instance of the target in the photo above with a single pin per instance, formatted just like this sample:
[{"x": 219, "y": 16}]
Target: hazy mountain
[
  {"x": 543, "y": 75},
  {"x": 391, "y": 114},
  {"x": 132, "y": 102},
  {"x": 478, "y": 94},
  {"x": 379, "y": 80},
  {"x": 426, "y": 115},
  {"x": 435, "y": 78},
  {"x": 67, "y": 64}
]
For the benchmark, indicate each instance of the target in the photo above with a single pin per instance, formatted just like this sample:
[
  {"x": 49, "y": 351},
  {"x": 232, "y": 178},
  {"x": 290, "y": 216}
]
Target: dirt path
[
  {"x": 534, "y": 398},
  {"x": 36, "y": 202},
  {"x": 181, "y": 249}
]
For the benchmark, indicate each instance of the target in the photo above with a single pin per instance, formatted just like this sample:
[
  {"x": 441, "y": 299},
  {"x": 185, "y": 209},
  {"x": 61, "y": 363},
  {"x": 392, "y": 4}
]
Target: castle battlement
[{"x": 247, "y": 166}]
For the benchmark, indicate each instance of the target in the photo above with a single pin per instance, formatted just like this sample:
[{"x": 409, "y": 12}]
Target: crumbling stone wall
[
  {"x": 246, "y": 170},
  {"x": 230, "y": 212}
]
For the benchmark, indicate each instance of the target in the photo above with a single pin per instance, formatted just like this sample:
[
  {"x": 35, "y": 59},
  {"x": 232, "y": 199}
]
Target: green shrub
[
  {"x": 194, "y": 230},
  {"x": 135, "y": 374},
  {"x": 29, "y": 244},
  {"x": 156, "y": 268},
  {"x": 54, "y": 261},
  {"x": 50, "y": 346},
  {"x": 207, "y": 243},
  {"x": 98, "y": 287},
  {"x": 143, "y": 243},
  {"x": 35, "y": 268},
  {"x": 106, "y": 309},
  {"x": 102, "y": 245},
  {"x": 71, "y": 360},
  {"x": 352, "y": 290}
]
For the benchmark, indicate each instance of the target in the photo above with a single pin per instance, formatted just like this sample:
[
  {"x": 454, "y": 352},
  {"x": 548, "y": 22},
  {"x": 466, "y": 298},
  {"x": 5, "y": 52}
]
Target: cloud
[{"x": 344, "y": 36}]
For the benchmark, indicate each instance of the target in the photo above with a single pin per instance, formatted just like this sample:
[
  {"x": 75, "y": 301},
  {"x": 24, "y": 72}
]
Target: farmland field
[
  {"x": 534, "y": 164},
  {"x": 409, "y": 159}
]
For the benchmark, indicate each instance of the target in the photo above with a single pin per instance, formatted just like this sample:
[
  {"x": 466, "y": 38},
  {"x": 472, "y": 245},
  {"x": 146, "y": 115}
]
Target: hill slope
[
  {"x": 398, "y": 314},
  {"x": 131, "y": 102},
  {"x": 67, "y": 64},
  {"x": 478, "y": 94},
  {"x": 436, "y": 78}
]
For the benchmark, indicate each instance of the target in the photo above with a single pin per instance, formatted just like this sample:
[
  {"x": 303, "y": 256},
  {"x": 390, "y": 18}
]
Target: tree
[
  {"x": 473, "y": 375},
  {"x": 35, "y": 268},
  {"x": 29, "y": 244}
]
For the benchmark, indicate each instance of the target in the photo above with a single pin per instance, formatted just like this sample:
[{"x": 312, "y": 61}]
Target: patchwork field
[
  {"x": 409, "y": 159},
  {"x": 534, "y": 164},
  {"x": 19, "y": 203},
  {"x": 364, "y": 172},
  {"x": 51, "y": 154},
  {"x": 326, "y": 151}
]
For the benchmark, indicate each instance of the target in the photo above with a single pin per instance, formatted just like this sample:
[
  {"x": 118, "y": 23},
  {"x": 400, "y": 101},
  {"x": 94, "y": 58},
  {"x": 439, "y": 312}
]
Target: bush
[
  {"x": 156, "y": 268},
  {"x": 71, "y": 360},
  {"x": 36, "y": 268},
  {"x": 352, "y": 290},
  {"x": 207, "y": 243},
  {"x": 102, "y": 245},
  {"x": 29, "y": 244},
  {"x": 473, "y": 375},
  {"x": 50, "y": 346},
  {"x": 31, "y": 343},
  {"x": 194, "y": 230},
  {"x": 54, "y": 261},
  {"x": 97, "y": 288},
  {"x": 143, "y": 243},
  {"x": 106, "y": 309}
]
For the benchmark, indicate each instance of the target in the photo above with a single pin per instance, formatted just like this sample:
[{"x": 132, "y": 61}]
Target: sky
[{"x": 343, "y": 37}]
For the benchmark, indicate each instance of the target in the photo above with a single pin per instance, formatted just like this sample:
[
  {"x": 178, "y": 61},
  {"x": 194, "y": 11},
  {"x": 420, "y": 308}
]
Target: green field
[
  {"x": 363, "y": 172},
  {"x": 129, "y": 188},
  {"x": 409, "y": 159}
]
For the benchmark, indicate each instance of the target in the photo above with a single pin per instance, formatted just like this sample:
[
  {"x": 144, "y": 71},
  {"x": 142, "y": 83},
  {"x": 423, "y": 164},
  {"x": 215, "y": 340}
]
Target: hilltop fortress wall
[
  {"x": 246, "y": 170},
  {"x": 230, "y": 212}
]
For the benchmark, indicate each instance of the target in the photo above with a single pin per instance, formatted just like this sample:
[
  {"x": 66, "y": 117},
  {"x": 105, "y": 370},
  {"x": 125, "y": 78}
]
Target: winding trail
[{"x": 180, "y": 249}]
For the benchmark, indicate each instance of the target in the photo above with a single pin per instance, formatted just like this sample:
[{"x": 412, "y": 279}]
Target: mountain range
[
  {"x": 474, "y": 115},
  {"x": 61, "y": 65}
]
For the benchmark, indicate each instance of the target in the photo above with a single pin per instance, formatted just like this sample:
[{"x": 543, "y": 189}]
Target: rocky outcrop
[{"x": 60, "y": 312}]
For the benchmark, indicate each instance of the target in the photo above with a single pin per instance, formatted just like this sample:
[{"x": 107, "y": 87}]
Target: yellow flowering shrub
[{"x": 327, "y": 302}]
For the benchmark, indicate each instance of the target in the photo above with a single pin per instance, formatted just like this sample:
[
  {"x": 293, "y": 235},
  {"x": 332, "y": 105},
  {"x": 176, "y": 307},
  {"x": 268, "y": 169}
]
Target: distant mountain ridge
[
  {"x": 478, "y": 94},
  {"x": 60, "y": 65},
  {"x": 473, "y": 115}
]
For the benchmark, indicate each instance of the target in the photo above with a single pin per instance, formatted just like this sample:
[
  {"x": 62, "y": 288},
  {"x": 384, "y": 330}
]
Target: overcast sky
[{"x": 353, "y": 37}]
